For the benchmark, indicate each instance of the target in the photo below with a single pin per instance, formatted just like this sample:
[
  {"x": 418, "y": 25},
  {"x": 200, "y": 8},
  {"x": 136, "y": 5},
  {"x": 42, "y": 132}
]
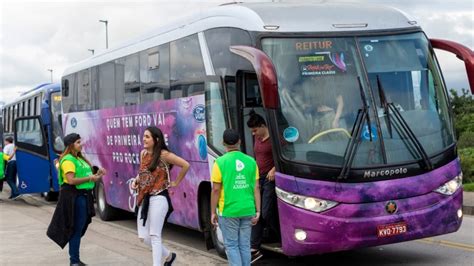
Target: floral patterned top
[{"x": 152, "y": 183}]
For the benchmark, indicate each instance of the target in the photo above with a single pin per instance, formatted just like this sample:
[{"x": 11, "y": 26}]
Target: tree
[{"x": 463, "y": 110}]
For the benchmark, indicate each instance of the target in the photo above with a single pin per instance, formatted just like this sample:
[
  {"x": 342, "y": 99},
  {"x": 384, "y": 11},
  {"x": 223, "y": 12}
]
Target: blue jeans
[
  {"x": 236, "y": 233},
  {"x": 10, "y": 176},
  {"x": 80, "y": 218}
]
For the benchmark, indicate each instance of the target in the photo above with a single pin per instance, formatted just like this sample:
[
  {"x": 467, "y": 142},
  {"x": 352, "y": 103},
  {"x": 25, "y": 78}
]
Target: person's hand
[
  {"x": 96, "y": 177},
  {"x": 254, "y": 219},
  {"x": 173, "y": 184},
  {"x": 134, "y": 184},
  {"x": 271, "y": 174},
  {"x": 101, "y": 172},
  {"x": 214, "y": 221},
  {"x": 335, "y": 124}
]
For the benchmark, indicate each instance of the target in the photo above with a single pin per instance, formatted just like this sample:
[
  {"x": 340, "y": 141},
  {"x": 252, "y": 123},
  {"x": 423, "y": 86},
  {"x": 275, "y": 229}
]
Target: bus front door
[{"x": 31, "y": 156}]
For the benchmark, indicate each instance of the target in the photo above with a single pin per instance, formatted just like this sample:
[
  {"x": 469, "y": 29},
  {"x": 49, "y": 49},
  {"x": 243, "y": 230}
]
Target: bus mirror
[
  {"x": 266, "y": 74},
  {"x": 462, "y": 52}
]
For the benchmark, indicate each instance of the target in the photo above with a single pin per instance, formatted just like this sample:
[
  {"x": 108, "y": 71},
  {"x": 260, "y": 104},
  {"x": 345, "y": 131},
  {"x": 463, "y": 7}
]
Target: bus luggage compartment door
[{"x": 32, "y": 161}]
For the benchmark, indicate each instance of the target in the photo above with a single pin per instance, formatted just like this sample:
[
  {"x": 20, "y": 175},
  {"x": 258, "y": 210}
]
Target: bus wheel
[
  {"x": 106, "y": 212},
  {"x": 211, "y": 234},
  {"x": 51, "y": 196}
]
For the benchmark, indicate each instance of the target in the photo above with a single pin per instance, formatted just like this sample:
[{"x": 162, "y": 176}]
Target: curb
[{"x": 468, "y": 210}]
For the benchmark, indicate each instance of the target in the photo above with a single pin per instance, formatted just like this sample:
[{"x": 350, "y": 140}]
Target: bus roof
[
  {"x": 321, "y": 16},
  {"x": 46, "y": 87}
]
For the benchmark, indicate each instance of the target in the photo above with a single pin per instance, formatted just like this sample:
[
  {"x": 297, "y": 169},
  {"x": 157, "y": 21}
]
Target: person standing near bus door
[
  {"x": 3, "y": 160},
  {"x": 11, "y": 171},
  {"x": 153, "y": 184},
  {"x": 266, "y": 166},
  {"x": 2, "y": 169},
  {"x": 75, "y": 207},
  {"x": 236, "y": 192}
]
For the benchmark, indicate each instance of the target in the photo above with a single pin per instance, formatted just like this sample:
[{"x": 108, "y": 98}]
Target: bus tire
[
  {"x": 106, "y": 212},
  {"x": 210, "y": 234}
]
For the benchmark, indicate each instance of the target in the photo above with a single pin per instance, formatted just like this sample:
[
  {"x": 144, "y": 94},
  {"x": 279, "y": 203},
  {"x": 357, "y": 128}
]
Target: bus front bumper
[{"x": 330, "y": 231}]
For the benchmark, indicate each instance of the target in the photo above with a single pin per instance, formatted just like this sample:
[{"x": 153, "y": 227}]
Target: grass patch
[{"x": 468, "y": 187}]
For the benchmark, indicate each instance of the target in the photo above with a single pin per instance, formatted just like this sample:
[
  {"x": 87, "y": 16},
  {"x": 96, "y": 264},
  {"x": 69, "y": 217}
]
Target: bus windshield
[{"x": 321, "y": 81}]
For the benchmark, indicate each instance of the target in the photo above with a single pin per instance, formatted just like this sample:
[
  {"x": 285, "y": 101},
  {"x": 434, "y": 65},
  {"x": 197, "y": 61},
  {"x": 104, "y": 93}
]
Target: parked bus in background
[
  {"x": 34, "y": 120},
  {"x": 1, "y": 128},
  {"x": 356, "y": 106}
]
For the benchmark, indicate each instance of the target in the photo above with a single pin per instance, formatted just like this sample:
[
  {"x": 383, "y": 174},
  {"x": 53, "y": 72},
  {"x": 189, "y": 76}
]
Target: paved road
[{"x": 452, "y": 249}]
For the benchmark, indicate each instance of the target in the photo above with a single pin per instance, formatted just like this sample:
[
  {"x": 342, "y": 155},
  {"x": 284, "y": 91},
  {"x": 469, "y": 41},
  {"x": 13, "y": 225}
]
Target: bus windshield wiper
[
  {"x": 403, "y": 128},
  {"x": 351, "y": 150},
  {"x": 384, "y": 105}
]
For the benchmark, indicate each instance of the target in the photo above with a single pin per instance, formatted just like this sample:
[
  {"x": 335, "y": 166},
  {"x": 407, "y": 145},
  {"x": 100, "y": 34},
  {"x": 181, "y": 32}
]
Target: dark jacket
[{"x": 61, "y": 228}]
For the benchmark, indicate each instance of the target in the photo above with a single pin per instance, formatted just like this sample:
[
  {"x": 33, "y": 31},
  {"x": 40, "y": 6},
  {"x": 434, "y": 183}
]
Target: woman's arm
[
  {"x": 174, "y": 159},
  {"x": 135, "y": 180},
  {"x": 73, "y": 180}
]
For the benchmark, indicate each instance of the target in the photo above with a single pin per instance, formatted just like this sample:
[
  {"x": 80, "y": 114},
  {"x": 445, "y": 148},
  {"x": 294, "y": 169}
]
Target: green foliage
[
  {"x": 466, "y": 140},
  {"x": 463, "y": 110},
  {"x": 467, "y": 164},
  {"x": 468, "y": 187}
]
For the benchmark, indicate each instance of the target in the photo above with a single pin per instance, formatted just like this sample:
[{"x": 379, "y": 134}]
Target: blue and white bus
[
  {"x": 376, "y": 175},
  {"x": 34, "y": 120}
]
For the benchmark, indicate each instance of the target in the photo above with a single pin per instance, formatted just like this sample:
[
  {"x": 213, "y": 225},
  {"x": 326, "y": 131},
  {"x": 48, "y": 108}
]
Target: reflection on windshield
[
  {"x": 319, "y": 94},
  {"x": 406, "y": 70},
  {"x": 318, "y": 91}
]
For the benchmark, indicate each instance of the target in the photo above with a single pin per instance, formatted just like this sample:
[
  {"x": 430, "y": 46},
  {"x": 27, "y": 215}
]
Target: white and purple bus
[{"x": 353, "y": 95}]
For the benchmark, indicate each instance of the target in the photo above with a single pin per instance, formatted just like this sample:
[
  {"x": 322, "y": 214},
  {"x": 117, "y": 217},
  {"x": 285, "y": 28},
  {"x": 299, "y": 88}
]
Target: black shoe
[
  {"x": 80, "y": 263},
  {"x": 173, "y": 257},
  {"x": 255, "y": 255}
]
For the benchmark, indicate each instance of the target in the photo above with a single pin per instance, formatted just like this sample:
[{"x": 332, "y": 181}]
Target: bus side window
[
  {"x": 226, "y": 63},
  {"x": 176, "y": 91},
  {"x": 216, "y": 121},
  {"x": 84, "y": 99},
  {"x": 155, "y": 73},
  {"x": 127, "y": 80},
  {"x": 195, "y": 89},
  {"x": 186, "y": 65},
  {"x": 107, "y": 85},
  {"x": 69, "y": 88}
]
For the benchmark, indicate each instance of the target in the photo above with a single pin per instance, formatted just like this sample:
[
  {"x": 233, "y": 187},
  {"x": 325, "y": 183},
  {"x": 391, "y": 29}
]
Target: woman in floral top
[{"x": 152, "y": 183}]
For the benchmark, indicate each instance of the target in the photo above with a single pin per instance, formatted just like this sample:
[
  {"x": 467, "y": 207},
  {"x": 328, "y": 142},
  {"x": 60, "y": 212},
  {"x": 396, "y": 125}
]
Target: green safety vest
[
  {"x": 2, "y": 166},
  {"x": 238, "y": 172},
  {"x": 83, "y": 170}
]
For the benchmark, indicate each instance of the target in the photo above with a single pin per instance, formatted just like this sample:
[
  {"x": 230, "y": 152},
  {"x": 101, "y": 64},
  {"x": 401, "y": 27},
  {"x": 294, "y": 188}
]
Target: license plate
[{"x": 391, "y": 229}]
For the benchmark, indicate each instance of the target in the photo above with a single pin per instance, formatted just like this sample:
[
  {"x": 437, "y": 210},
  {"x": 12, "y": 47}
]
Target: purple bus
[{"x": 356, "y": 106}]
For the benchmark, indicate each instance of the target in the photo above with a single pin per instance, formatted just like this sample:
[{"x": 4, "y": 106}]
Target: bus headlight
[
  {"x": 307, "y": 203},
  {"x": 451, "y": 186}
]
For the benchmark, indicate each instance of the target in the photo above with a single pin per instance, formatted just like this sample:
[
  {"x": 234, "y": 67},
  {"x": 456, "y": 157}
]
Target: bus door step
[{"x": 274, "y": 247}]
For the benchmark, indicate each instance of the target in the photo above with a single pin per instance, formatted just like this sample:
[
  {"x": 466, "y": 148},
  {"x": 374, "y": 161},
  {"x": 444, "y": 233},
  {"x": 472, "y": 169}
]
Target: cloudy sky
[{"x": 39, "y": 35}]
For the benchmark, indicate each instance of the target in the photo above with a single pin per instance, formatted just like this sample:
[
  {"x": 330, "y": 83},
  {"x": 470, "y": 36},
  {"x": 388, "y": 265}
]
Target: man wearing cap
[{"x": 236, "y": 196}]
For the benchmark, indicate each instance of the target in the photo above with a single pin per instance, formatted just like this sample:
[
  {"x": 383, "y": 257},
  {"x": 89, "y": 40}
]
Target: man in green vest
[
  {"x": 3, "y": 159},
  {"x": 2, "y": 170},
  {"x": 235, "y": 198}
]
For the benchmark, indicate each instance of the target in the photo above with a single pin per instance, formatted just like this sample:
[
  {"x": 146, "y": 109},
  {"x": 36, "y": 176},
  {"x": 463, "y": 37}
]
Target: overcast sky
[{"x": 39, "y": 35}]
